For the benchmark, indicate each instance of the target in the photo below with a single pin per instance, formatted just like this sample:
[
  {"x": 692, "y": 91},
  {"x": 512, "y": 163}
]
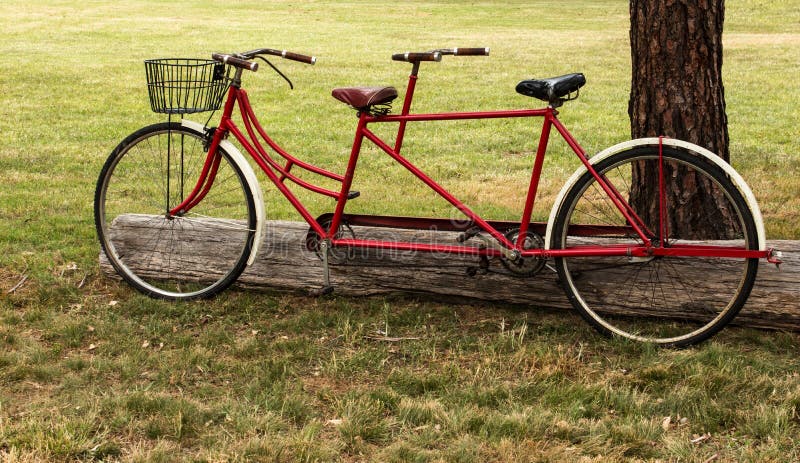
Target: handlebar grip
[
  {"x": 235, "y": 62},
  {"x": 471, "y": 51},
  {"x": 298, "y": 57},
  {"x": 282, "y": 53},
  {"x": 415, "y": 57}
]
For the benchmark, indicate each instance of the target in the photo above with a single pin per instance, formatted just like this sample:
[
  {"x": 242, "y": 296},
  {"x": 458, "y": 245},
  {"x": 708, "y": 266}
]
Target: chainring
[
  {"x": 336, "y": 255},
  {"x": 525, "y": 266}
]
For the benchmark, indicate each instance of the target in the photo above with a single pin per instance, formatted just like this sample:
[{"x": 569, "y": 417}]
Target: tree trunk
[{"x": 676, "y": 91}]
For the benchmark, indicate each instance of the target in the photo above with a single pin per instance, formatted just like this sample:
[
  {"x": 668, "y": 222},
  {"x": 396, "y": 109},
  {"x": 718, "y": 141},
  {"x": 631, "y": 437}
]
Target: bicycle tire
[
  {"x": 674, "y": 293},
  {"x": 191, "y": 256}
]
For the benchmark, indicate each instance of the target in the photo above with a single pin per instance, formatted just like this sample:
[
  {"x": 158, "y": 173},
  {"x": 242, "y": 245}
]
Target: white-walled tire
[
  {"x": 671, "y": 301},
  {"x": 195, "y": 255}
]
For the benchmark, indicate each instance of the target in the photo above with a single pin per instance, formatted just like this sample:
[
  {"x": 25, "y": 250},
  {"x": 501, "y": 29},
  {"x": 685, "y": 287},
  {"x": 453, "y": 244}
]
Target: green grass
[
  {"x": 90, "y": 371},
  {"x": 144, "y": 380}
]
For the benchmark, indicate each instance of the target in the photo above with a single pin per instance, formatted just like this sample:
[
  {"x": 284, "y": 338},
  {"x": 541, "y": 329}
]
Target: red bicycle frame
[{"x": 278, "y": 173}]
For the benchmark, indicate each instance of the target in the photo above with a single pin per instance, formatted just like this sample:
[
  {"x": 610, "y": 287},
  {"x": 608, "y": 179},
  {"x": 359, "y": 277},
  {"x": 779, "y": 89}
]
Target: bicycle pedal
[
  {"x": 471, "y": 233},
  {"x": 353, "y": 194}
]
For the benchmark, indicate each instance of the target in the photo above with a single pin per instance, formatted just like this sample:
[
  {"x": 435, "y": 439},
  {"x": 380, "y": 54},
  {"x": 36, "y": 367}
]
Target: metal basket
[{"x": 185, "y": 85}]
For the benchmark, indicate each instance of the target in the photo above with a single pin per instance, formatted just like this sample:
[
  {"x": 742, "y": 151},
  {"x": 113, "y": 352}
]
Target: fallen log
[{"x": 285, "y": 264}]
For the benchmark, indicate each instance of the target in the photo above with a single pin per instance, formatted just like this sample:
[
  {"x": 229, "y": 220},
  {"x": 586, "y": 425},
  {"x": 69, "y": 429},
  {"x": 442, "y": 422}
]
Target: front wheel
[
  {"x": 183, "y": 256},
  {"x": 671, "y": 301}
]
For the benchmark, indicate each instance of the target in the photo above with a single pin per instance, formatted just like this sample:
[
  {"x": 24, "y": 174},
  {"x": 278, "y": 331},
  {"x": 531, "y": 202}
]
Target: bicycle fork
[{"x": 205, "y": 180}]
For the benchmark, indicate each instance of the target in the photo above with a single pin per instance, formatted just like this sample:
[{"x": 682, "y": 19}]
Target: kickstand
[{"x": 327, "y": 288}]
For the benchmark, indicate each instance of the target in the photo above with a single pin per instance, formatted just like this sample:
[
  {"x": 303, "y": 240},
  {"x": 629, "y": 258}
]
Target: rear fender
[{"x": 691, "y": 148}]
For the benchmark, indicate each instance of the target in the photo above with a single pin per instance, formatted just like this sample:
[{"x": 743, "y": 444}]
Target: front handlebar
[
  {"x": 235, "y": 62},
  {"x": 241, "y": 60},
  {"x": 282, "y": 53}
]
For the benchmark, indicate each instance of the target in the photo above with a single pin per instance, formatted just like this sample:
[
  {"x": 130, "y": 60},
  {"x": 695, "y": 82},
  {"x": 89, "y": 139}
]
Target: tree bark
[
  {"x": 677, "y": 91},
  {"x": 676, "y": 57}
]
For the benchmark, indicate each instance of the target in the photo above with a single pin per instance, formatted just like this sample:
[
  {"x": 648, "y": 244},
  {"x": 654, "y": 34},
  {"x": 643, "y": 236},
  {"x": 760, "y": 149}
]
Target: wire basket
[{"x": 185, "y": 85}]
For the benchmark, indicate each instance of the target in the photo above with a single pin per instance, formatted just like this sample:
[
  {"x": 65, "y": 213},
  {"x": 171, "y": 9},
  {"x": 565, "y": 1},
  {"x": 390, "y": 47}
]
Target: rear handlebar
[
  {"x": 416, "y": 57},
  {"x": 436, "y": 55},
  {"x": 466, "y": 51}
]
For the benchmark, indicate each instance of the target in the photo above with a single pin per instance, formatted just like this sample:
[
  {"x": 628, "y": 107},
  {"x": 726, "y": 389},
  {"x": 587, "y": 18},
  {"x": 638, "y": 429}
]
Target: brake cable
[{"x": 291, "y": 86}]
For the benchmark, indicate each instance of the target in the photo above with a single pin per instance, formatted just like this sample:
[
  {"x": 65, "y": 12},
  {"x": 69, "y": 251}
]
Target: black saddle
[{"x": 554, "y": 90}]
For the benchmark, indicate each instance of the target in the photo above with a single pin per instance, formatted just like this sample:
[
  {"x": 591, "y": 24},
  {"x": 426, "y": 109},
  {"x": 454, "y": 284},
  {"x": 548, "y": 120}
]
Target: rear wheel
[
  {"x": 673, "y": 301},
  {"x": 192, "y": 255}
]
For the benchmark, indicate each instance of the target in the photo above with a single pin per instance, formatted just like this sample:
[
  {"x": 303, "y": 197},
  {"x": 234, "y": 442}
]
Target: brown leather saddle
[{"x": 364, "y": 99}]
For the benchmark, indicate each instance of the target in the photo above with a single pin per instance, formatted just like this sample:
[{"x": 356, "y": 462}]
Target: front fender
[{"x": 252, "y": 184}]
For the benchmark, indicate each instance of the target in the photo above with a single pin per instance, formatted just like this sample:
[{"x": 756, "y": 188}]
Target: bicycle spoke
[
  {"x": 174, "y": 257},
  {"x": 683, "y": 305}
]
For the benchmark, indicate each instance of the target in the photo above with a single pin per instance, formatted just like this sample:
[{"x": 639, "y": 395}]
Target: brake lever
[{"x": 291, "y": 86}]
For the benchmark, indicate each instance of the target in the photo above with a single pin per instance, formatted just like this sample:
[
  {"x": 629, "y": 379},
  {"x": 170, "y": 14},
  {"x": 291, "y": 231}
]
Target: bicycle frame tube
[
  {"x": 621, "y": 204},
  {"x": 208, "y": 173},
  {"x": 278, "y": 174},
  {"x": 412, "y": 84},
  {"x": 348, "y": 176},
  {"x": 550, "y": 120},
  {"x": 259, "y": 155}
]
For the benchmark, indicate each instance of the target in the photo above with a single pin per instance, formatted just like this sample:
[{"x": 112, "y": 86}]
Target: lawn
[{"x": 91, "y": 371}]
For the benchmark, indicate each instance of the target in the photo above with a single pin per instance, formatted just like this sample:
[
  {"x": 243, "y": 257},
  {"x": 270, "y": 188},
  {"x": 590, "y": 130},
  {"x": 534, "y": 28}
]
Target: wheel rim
[
  {"x": 681, "y": 303},
  {"x": 174, "y": 257}
]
